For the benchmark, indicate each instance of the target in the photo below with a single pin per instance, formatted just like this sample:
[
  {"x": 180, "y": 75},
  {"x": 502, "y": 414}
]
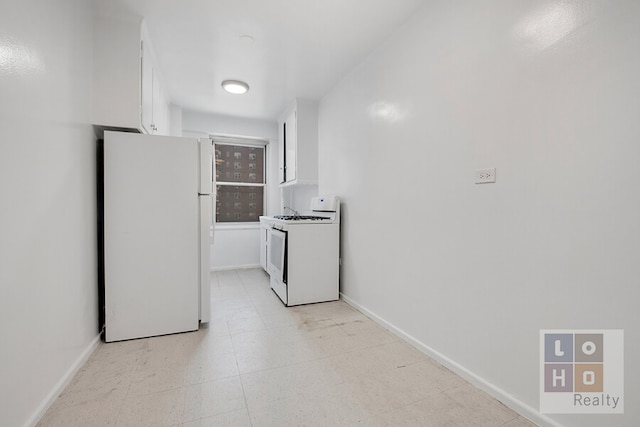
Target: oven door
[
  {"x": 277, "y": 254},
  {"x": 277, "y": 262}
]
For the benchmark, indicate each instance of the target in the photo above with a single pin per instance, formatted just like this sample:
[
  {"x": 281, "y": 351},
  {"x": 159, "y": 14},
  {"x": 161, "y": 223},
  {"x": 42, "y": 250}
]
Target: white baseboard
[
  {"x": 64, "y": 381},
  {"x": 504, "y": 397},
  {"x": 235, "y": 267}
]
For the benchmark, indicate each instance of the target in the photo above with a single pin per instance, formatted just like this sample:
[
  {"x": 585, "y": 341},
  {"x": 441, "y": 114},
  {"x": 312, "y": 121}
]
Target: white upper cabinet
[
  {"x": 127, "y": 86},
  {"x": 147, "y": 89},
  {"x": 298, "y": 132},
  {"x": 154, "y": 115}
]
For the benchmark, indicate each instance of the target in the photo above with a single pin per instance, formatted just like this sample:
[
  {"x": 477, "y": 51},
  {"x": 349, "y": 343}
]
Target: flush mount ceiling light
[
  {"x": 247, "y": 39},
  {"x": 235, "y": 86}
]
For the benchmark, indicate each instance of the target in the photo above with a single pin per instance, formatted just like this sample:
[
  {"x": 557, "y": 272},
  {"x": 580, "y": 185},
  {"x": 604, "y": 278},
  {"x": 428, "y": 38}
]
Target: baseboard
[
  {"x": 236, "y": 267},
  {"x": 64, "y": 381},
  {"x": 504, "y": 397}
]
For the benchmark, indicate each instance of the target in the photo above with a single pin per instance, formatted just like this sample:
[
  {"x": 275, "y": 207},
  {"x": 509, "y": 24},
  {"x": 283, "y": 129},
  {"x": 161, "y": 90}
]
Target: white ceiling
[{"x": 301, "y": 48}]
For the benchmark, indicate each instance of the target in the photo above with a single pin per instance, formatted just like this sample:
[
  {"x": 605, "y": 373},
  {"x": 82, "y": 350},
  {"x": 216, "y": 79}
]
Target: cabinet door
[
  {"x": 290, "y": 148},
  {"x": 147, "y": 91},
  {"x": 157, "y": 108},
  {"x": 281, "y": 148}
]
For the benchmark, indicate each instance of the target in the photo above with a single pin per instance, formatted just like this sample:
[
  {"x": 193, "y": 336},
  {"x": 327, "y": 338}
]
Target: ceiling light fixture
[
  {"x": 235, "y": 86},
  {"x": 247, "y": 39}
]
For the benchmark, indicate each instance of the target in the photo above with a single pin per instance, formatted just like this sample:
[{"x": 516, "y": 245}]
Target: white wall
[
  {"x": 48, "y": 289},
  {"x": 175, "y": 120},
  {"x": 298, "y": 197},
  {"x": 546, "y": 92},
  {"x": 194, "y": 121},
  {"x": 235, "y": 247},
  {"x": 239, "y": 246}
]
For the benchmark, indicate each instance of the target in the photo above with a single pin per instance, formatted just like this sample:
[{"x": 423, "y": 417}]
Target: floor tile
[
  {"x": 429, "y": 377},
  {"x": 489, "y": 411},
  {"x": 205, "y": 367},
  {"x": 259, "y": 363},
  {"x": 213, "y": 398},
  {"x": 308, "y": 409},
  {"x": 164, "y": 408},
  {"x": 99, "y": 410},
  {"x": 230, "y": 419},
  {"x": 263, "y": 389}
]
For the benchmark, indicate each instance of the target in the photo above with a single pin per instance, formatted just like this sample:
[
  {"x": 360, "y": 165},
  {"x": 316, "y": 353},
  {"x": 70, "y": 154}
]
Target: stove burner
[{"x": 299, "y": 217}]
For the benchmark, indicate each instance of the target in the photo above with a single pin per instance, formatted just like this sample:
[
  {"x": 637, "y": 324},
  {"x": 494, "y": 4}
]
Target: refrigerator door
[
  {"x": 151, "y": 240},
  {"x": 206, "y": 202},
  {"x": 206, "y": 221}
]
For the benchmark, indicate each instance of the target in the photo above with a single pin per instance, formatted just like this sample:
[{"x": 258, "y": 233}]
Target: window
[{"x": 240, "y": 180}]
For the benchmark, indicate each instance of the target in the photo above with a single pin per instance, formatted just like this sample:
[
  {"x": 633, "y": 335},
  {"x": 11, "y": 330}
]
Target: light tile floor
[{"x": 262, "y": 364}]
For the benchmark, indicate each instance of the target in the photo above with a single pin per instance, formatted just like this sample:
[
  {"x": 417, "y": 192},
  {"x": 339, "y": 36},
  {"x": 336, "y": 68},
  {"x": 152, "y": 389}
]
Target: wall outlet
[{"x": 484, "y": 176}]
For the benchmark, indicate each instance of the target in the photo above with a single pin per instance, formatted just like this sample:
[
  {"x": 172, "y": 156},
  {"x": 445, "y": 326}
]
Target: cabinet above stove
[{"x": 298, "y": 133}]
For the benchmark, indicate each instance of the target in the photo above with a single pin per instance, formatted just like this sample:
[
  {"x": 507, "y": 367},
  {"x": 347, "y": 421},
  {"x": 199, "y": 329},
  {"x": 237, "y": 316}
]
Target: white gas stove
[
  {"x": 324, "y": 210},
  {"x": 303, "y": 253}
]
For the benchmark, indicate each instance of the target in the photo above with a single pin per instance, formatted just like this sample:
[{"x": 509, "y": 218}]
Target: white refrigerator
[{"x": 156, "y": 205}]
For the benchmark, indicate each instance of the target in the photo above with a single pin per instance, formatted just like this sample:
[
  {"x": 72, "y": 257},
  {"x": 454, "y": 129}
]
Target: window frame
[{"x": 243, "y": 142}]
